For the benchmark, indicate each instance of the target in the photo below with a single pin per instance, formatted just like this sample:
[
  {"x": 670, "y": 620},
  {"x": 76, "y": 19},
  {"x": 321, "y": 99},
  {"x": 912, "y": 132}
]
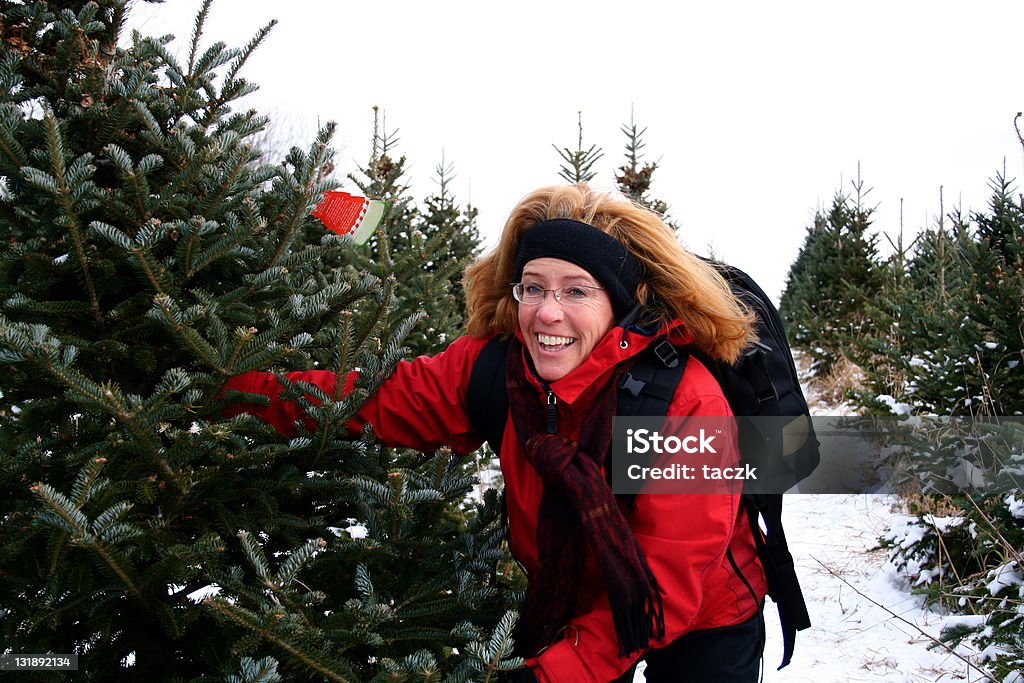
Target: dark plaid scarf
[{"x": 579, "y": 511}]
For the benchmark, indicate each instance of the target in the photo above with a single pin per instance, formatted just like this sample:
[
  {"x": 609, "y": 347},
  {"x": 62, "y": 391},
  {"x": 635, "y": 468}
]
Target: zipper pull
[{"x": 552, "y": 412}]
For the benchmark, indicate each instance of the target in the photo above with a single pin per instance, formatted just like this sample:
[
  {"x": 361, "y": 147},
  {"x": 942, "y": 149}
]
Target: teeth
[{"x": 548, "y": 340}]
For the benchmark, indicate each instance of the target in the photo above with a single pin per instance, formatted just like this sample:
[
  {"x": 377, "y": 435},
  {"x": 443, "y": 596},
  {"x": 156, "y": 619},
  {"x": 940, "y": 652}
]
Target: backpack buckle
[
  {"x": 631, "y": 384},
  {"x": 666, "y": 353}
]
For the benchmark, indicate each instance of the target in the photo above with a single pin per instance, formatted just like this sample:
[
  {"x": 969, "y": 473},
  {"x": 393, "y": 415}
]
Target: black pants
[{"x": 730, "y": 654}]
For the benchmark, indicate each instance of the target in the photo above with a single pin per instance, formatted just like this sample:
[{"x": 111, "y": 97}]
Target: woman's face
[{"x": 559, "y": 336}]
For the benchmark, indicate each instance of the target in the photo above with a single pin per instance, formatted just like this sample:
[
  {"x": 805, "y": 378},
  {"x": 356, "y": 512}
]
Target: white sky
[{"x": 757, "y": 111}]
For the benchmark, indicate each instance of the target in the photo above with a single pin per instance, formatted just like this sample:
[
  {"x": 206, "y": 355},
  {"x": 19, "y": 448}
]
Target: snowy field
[{"x": 866, "y": 624}]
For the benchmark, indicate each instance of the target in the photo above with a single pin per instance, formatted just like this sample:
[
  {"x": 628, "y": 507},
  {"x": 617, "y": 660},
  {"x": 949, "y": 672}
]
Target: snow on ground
[{"x": 833, "y": 539}]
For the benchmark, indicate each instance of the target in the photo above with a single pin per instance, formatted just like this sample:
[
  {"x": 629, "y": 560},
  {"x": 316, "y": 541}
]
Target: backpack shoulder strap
[
  {"x": 486, "y": 395},
  {"x": 779, "y": 567},
  {"x": 648, "y": 386}
]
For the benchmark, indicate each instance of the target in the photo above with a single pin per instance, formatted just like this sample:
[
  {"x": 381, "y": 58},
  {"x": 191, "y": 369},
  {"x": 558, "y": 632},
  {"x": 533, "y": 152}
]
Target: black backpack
[{"x": 763, "y": 383}]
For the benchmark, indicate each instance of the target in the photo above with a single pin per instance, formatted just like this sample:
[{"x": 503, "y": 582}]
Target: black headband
[{"x": 596, "y": 252}]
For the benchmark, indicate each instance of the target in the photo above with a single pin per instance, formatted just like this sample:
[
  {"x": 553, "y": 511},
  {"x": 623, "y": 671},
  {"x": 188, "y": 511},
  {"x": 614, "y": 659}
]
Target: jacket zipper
[{"x": 552, "y": 409}]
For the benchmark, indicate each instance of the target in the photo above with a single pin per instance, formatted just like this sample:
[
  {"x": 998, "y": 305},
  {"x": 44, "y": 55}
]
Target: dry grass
[
  {"x": 841, "y": 379},
  {"x": 928, "y": 504}
]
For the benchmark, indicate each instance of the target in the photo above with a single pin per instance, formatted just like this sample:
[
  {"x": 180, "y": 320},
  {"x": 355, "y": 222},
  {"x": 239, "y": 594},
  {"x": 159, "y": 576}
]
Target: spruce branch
[
  {"x": 13, "y": 152},
  {"x": 246, "y": 52},
  {"x": 994, "y": 529},
  {"x": 496, "y": 654},
  {"x": 256, "y": 671},
  {"x": 256, "y": 557},
  {"x": 37, "y": 345},
  {"x": 20, "y": 302},
  {"x": 344, "y": 354},
  {"x": 65, "y": 195},
  {"x": 165, "y": 311},
  {"x": 215, "y": 56},
  {"x": 301, "y": 185},
  {"x": 378, "y": 319},
  {"x": 222, "y": 248},
  {"x": 234, "y": 87},
  {"x": 395, "y": 351},
  {"x": 134, "y": 175},
  {"x": 297, "y": 560},
  {"x": 243, "y": 335},
  {"x": 265, "y": 630},
  {"x": 197, "y": 33},
  {"x": 97, "y": 536},
  {"x": 237, "y": 163},
  {"x": 140, "y": 249}
]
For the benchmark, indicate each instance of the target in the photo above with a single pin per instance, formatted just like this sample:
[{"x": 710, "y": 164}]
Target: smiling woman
[
  {"x": 581, "y": 284},
  {"x": 560, "y": 331}
]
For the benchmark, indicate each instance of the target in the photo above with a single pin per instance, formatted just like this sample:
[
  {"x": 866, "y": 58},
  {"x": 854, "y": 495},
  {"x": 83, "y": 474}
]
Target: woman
[{"x": 582, "y": 282}]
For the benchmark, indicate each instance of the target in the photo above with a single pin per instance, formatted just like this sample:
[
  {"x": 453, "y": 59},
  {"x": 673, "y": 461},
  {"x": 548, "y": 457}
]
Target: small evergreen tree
[
  {"x": 881, "y": 354},
  {"x": 997, "y": 309},
  {"x": 634, "y": 177},
  {"x": 932, "y": 299},
  {"x": 426, "y": 249},
  {"x": 835, "y": 272},
  {"x": 148, "y": 257},
  {"x": 578, "y": 164}
]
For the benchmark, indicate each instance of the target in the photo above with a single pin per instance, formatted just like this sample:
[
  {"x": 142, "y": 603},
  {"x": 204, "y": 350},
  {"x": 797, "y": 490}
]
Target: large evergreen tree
[{"x": 147, "y": 257}]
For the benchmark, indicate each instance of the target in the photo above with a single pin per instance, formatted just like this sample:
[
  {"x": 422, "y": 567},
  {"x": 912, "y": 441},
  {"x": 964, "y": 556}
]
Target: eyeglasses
[{"x": 571, "y": 295}]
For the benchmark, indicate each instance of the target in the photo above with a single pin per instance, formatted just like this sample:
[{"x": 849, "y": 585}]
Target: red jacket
[{"x": 685, "y": 537}]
